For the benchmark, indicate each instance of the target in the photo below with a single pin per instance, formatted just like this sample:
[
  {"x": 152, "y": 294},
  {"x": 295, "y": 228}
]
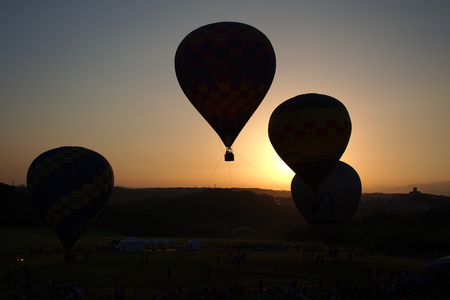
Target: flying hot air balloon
[
  {"x": 330, "y": 209},
  {"x": 310, "y": 133},
  {"x": 70, "y": 186},
  {"x": 225, "y": 69}
]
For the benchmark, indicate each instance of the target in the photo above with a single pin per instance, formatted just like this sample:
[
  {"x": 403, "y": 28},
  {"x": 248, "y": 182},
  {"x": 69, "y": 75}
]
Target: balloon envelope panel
[
  {"x": 70, "y": 186},
  {"x": 330, "y": 209},
  {"x": 225, "y": 70},
  {"x": 310, "y": 132}
]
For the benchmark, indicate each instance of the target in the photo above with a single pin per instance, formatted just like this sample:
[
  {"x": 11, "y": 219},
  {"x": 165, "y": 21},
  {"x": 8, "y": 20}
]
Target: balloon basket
[{"x": 229, "y": 156}]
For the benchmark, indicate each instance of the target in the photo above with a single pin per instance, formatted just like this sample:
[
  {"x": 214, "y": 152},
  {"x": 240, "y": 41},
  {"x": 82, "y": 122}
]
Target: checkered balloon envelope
[
  {"x": 225, "y": 69},
  {"x": 70, "y": 186}
]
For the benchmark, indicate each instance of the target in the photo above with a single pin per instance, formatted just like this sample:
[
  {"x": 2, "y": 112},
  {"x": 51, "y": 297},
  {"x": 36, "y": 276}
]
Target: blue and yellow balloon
[
  {"x": 310, "y": 133},
  {"x": 70, "y": 187}
]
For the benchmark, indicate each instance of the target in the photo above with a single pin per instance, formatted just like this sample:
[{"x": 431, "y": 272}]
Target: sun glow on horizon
[
  {"x": 283, "y": 169},
  {"x": 277, "y": 171}
]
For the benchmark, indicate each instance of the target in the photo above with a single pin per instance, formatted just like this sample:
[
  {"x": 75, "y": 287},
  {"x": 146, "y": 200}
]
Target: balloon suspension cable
[
  {"x": 264, "y": 174},
  {"x": 229, "y": 170},
  {"x": 213, "y": 172}
]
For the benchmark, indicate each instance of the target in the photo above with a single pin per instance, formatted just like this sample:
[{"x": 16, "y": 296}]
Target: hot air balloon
[
  {"x": 225, "y": 70},
  {"x": 310, "y": 133},
  {"x": 70, "y": 186},
  {"x": 330, "y": 209}
]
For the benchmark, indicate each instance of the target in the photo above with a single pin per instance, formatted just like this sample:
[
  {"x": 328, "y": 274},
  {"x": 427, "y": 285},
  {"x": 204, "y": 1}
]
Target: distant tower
[{"x": 414, "y": 189}]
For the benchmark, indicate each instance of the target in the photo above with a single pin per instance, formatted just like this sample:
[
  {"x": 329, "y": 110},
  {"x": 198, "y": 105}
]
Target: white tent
[
  {"x": 132, "y": 244},
  {"x": 193, "y": 244},
  {"x": 442, "y": 260}
]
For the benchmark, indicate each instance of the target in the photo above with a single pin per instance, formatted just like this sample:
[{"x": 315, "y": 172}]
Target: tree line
[{"x": 223, "y": 213}]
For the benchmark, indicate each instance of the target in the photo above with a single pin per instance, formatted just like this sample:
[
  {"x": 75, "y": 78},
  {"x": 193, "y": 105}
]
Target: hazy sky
[{"x": 100, "y": 74}]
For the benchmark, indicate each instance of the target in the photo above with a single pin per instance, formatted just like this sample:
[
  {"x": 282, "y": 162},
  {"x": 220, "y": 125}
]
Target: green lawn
[{"x": 102, "y": 271}]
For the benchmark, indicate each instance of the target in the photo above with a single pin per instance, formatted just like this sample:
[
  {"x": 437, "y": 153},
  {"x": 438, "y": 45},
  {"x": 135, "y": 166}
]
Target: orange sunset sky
[{"x": 100, "y": 74}]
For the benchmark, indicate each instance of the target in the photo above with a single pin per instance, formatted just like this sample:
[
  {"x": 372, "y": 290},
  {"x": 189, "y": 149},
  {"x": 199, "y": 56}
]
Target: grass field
[{"x": 144, "y": 274}]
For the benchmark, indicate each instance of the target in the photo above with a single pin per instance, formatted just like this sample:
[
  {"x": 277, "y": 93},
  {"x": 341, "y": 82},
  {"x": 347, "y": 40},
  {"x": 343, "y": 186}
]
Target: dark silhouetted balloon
[
  {"x": 310, "y": 133},
  {"x": 70, "y": 186},
  {"x": 225, "y": 70},
  {"x": 330, "y": 209}
]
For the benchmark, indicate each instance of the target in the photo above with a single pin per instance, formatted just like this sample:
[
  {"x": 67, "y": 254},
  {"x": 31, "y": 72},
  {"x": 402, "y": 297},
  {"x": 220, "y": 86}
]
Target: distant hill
[
  {"x": 434, "y": 188},
  {"x": 383, "y": 221},
  {"x": 425, "y": 231},
  {"x": 224, "y": 210},
  {"x": 370, "y": 202},
  {"x": 122, "y": 194},
  {"x": 17, "y": 211},
  {"x": 399, "y": 203}
]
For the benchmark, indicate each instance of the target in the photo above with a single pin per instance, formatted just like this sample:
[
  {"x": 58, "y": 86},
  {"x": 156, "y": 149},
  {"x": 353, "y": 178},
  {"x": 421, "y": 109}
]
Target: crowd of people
[
  {"x": 422, "y": 285},
  {"x": 400, "y": 284}
]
